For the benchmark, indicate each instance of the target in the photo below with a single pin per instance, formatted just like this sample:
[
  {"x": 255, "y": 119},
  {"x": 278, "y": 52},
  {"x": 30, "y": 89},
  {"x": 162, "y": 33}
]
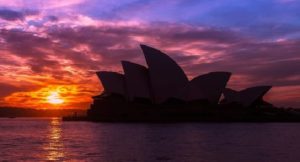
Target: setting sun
[{"x": 54, "y": 98}]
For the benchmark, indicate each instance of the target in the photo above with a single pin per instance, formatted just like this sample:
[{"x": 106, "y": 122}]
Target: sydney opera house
[{"x": 162, "y": 91}]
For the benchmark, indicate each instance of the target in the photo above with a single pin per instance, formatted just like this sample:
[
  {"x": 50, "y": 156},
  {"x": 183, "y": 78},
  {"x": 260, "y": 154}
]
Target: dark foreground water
[{"x": 51, "y": 139}]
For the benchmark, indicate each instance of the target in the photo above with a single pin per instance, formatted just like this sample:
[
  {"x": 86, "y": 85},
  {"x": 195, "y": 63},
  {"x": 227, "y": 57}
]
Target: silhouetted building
[
  {"x": 162, "y": 80},
  {"x": 208, "y": 86},
  {"x": 112, "y": 82},
  {"x": 136, "y": 80},
  {"x": 166, "y": 77},
  {"x": 247, "y": 97},
  {"x": 162, "y": 90}
]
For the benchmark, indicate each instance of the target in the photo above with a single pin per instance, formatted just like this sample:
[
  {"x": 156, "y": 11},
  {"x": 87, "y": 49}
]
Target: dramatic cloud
[
  {"x": 11, "y": 15},
  {"x": 47, "y": 46}
]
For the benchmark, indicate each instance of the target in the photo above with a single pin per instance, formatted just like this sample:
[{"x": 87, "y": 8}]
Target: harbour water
[{"x": 50, "y": 139}]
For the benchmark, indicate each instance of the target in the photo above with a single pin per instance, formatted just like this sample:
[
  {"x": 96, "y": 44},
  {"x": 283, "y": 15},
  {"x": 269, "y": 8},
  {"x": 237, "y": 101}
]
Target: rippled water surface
[{"x": 32, "y": 139}]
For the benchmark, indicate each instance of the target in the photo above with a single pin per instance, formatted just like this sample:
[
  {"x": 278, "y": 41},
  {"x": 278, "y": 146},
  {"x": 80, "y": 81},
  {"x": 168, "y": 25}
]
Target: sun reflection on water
[{"x": 54, "y": 146}]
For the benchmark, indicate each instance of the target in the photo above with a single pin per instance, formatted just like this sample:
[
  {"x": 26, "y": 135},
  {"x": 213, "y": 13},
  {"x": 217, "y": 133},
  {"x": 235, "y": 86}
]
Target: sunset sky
[{"x": 51, "y": 49}]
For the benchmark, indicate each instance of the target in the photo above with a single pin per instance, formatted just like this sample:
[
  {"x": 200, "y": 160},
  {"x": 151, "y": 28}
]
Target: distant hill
[{"x": 25, "y": 112}]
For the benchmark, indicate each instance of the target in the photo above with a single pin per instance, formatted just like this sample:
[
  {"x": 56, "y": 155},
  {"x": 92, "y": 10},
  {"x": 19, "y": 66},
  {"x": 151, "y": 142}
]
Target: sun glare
[{"x": 54, "y": 98}]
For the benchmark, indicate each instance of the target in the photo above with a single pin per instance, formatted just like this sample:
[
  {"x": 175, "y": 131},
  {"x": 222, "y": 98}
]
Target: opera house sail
[
  {"x": 112, "y": 82},
  {"x": 162, "y": 92},
  {"x": 137, "y": 81},
  {"x": 208, "y": 86},
  {"x": 166, "y": 77},
  {"x": 247, "y": 97}
]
